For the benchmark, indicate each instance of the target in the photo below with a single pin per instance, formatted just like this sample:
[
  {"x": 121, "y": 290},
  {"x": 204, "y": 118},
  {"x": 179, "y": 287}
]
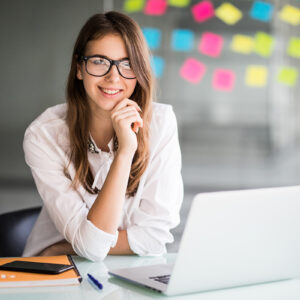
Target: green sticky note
[
  {"x": 263, "y": 44},
  {"x": 288, "y": 76},
  {"x": 294, "y": 47},
  {"x": 179, "y": 3},
  {"x": 133, "y": 5}
]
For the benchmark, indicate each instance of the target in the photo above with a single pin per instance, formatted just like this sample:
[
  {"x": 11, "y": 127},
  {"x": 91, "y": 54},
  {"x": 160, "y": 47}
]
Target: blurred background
[{"x": 230, "y": 70}]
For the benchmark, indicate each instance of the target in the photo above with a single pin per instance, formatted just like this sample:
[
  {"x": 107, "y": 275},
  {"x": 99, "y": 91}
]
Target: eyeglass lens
[{"x": 98, "y": 66}]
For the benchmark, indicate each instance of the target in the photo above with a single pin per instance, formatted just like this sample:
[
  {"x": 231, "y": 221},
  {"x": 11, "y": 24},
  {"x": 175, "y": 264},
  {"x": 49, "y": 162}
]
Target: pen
[{"x": 95, "y": 281}]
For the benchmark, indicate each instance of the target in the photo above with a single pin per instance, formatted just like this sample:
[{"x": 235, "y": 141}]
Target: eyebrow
[{"x": 104, "y": 56}]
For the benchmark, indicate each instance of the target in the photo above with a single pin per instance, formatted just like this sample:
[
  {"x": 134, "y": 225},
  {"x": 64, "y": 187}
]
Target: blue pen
[{"x": 95, "y": 281}]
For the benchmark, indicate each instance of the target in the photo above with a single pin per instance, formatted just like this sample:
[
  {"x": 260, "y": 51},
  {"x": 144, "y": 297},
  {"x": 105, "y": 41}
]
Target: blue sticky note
[
  {"x": 158, "y": 65},
  {"x": 153, "y": 37},
  {"x": 261, "y": 11},
  {"x": 182, "y": 40}
]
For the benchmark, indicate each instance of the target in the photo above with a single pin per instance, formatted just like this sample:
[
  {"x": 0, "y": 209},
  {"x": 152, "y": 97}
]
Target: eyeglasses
[{"x": 97, "y": 65}]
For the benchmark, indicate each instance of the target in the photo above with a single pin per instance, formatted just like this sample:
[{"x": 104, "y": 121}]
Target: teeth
[{"x": 111, "y": 92}]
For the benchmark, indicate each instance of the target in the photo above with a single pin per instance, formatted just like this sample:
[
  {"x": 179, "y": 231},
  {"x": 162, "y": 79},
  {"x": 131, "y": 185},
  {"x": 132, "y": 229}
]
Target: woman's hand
[{"x": 124, "y": 114}]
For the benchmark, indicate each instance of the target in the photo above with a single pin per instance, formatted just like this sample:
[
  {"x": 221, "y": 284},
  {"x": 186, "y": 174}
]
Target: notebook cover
[{"x": 23, "y": 279}]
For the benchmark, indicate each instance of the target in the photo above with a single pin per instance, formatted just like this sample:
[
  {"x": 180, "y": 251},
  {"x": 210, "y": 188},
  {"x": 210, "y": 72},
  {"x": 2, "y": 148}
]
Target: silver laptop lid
[{"x": 237, "y": 238}]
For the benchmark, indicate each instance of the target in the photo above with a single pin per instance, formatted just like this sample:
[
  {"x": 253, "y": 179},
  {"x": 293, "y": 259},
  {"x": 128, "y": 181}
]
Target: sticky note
[
  {"x": 153, "y": 37},
  {"x": 256, "y": 76},
  {"x": 223, "y": 80},
  {"x": 288, "y": 76},
  {"x": 228, "y": 13},
  {"x": 192, "y": 70},
  {"x": 261, "y": 11},
  {"x": 179, "y": 3},
  {"x": 290, "y": 14},
  {"x": 158, "y": 65},
  {"x": 294, "y": 47},
  {"x": 133, "y": 5},
  {"x": 211, "y": 44},
  {"x": 155, "y": 7},
  {"x": 182, "y": 40},
  {"x": 203, "y": 11},
  {"x": 242, "y": 44},
  {"x": 263, "y": 44}
]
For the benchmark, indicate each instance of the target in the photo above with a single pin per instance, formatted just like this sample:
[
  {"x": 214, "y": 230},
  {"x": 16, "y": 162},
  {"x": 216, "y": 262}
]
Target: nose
[{"x": 113, "y": 75}]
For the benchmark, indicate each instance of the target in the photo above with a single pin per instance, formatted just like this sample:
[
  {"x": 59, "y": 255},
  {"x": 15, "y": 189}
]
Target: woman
[{"x": 107, "y": 164}]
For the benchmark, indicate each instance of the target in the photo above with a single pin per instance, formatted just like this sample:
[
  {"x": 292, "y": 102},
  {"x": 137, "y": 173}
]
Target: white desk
[{"x": 115, "y": 289}]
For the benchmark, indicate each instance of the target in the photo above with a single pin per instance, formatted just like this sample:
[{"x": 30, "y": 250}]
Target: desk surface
[{"x": 115, "y": 289}]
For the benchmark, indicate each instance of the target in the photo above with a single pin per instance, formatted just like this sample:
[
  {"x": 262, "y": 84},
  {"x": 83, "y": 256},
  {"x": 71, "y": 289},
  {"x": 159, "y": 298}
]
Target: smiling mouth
[{"x": 110, "y": 91}]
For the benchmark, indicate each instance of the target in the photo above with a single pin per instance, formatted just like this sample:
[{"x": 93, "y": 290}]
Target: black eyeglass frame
[{"x": 111, "y": 61}]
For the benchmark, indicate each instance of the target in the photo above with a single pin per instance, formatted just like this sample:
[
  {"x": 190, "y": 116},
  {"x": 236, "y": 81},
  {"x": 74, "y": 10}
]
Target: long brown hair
[{"x": 79, "y": 111}]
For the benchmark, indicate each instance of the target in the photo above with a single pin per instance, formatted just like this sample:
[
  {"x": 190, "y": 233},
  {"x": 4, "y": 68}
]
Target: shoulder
[
  {"x": 162, "y": 116},
  {"x": 52, "y": 119},
  {"x": 163, "y": 125},
  {"x": 49, "y": 127}
]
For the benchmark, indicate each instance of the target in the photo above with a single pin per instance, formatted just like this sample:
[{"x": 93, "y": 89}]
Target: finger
[
  {"x": 133, "y": 120},
  {"x": 124, "y": 109},
  {"x": 126, "y": 114},
  {"x": 130, "y": 118},
  {"x": 126, "y": 102}
]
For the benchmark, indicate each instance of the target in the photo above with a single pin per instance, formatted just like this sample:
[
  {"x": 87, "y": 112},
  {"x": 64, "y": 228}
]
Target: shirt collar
[{"x": 93, "y": 148}]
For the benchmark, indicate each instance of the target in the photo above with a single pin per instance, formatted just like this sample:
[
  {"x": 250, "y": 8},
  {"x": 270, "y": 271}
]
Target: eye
[
  {"x": 98, "y": 61},
  {"x": 125, "y": 64}
]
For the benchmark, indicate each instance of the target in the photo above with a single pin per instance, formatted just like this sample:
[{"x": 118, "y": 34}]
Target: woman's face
[{"x": 105, "y": 92}]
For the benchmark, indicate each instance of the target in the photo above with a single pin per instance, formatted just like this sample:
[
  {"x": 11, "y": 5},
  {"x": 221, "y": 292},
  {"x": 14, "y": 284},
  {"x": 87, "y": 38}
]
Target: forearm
[
  {"x": 60, "y": 248},
  {"x": 106, "y": 211},
  {"x": 122, "y": 247}
]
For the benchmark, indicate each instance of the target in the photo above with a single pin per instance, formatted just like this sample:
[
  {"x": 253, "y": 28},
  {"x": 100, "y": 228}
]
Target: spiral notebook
[{"x": 12, "y": 279}]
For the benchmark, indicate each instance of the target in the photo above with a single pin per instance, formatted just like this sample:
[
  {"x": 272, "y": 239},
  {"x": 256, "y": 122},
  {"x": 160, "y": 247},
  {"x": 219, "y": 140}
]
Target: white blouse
[{"x": 147, "y": 217}]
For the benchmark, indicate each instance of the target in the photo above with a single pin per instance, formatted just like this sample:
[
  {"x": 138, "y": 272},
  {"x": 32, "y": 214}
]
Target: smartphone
[{"x": 35, "y": 267}]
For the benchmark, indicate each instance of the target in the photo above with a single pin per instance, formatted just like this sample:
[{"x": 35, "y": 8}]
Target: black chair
[{"x": 15, "y": 228}]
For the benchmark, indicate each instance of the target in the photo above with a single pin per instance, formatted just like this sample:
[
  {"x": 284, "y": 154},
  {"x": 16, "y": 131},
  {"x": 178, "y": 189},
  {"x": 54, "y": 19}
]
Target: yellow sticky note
[
  {"x": 179, "y": 3},
  {"x": 242, "y": 43},
  {"x": 288, "y": 76},
  {"x": 294, "y": 47},
  {"x": 256, "y": 76},
  {"x": 228, "y": 13},
  {"x": 263, "y": 44},
  {"x": 290, "y": 14},
  {"x": 133, "y": 5}
]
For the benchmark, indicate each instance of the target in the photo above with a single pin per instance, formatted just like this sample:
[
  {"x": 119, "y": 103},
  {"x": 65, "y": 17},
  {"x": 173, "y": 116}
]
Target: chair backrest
[{"x": 15, "y": 228}]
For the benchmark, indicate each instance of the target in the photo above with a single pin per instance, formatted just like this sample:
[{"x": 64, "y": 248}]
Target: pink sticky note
[
  {"x": 211, "y": 44},
  {"x": 155, "y": 7},
  {"x": 223, "y": 80},
  {"x": 192, "y": 70},
  {"x": 203, "y": 11}
]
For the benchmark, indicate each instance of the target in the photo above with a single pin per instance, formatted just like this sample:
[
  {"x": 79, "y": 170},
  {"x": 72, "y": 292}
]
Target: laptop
[{"x": 231, "y": 239}]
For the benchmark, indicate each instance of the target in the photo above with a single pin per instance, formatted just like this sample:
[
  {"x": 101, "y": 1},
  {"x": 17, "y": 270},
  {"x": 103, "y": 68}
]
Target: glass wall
[{"x": 230, "y": 70}]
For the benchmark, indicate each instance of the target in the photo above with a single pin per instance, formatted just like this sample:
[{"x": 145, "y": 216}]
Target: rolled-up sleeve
[
  {"x": 65, "y": 205},
  {"x": 162, "y": 192}
]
